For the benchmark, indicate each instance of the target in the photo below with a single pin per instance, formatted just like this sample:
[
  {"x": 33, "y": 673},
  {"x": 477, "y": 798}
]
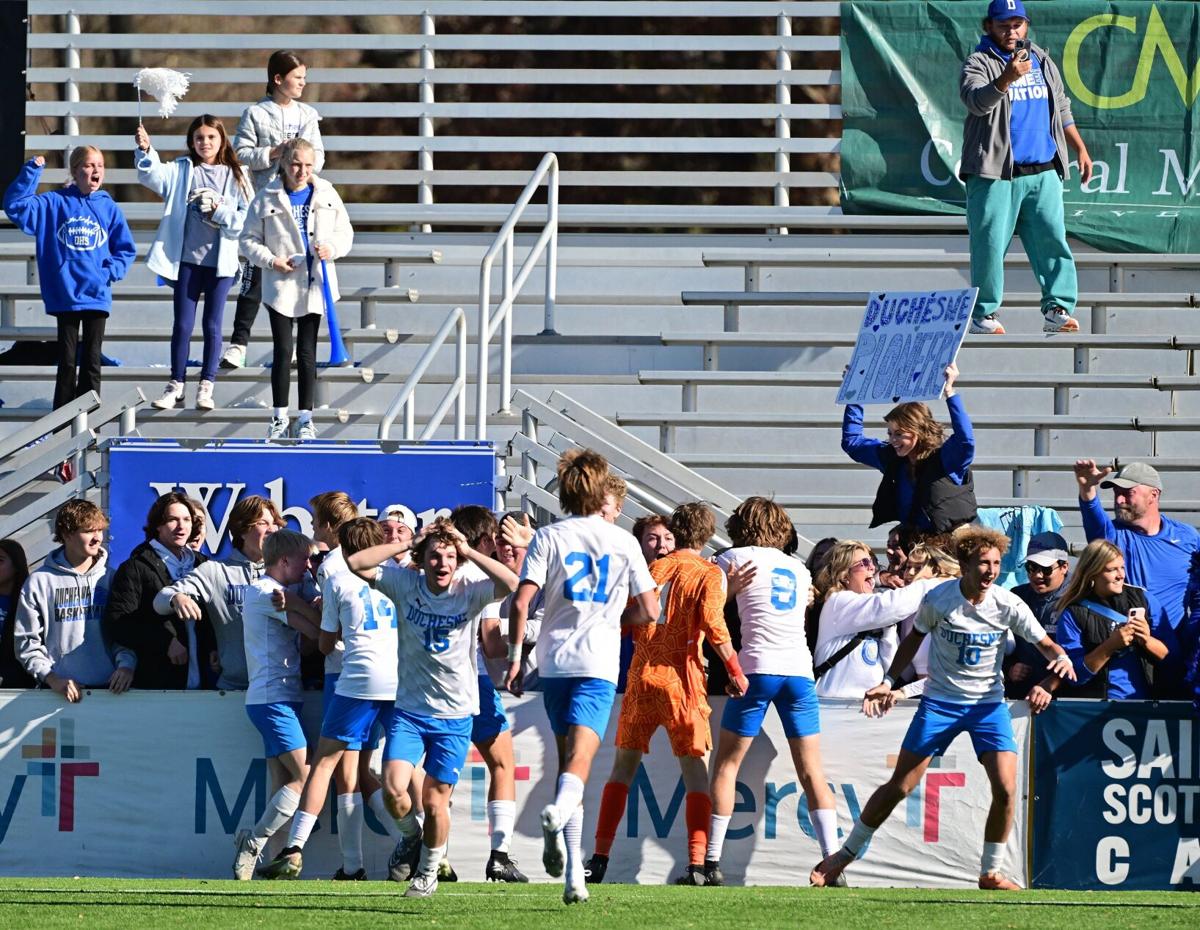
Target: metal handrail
[
  {"x": 455, "y": 394},
  {"x": 547, "y": 242}
]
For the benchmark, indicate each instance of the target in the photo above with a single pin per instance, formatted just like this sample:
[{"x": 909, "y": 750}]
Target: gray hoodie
[
  {"x": 261, "y": 128},
  {"x": 221, "y": 585},
  {"x": 987, "y": 144},
  {"x": 57, "y": 627}
]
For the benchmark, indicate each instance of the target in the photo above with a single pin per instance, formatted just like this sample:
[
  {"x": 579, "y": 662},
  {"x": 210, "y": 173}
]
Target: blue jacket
[
  {"x": 83, "y": 242},
  {"x": 172, "y": 182}
]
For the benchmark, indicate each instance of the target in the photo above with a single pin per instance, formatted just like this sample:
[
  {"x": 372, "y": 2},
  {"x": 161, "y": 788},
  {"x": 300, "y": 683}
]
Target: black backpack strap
[{"x": 843, "y": 652}]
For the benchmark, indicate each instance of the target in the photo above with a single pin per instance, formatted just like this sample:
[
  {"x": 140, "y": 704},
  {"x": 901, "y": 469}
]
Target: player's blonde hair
[
  {"x": 359, "y": 533},
  {"x": 692, "y": 525},
  {"x": 441, "y": 532},
  {"x": 617, "y": 487},
  {"x": 835, "y": 574},
  {"x": 759, "y": 521},
  {"x": 332, "y": 508},
  {"x": 285, "y": 544},
  {"x": 1091, "y": 565},
  {"x": 582, "y": 476}
]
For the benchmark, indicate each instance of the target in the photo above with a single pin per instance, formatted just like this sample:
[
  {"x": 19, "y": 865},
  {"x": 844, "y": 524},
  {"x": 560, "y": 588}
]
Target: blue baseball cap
[{"x": 1007, "y": 9}]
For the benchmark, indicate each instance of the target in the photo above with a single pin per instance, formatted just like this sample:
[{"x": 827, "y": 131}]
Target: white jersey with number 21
[{"x": 587, "y": 569}]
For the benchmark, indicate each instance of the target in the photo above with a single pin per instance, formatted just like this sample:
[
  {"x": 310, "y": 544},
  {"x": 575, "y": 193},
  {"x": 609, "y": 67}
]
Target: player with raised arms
[
  {"x": 779, "y": 667},
  {"x": 969, "y": 619},
  {"x": 588, "y": 570},
  {"x": 438, "y": 694}
]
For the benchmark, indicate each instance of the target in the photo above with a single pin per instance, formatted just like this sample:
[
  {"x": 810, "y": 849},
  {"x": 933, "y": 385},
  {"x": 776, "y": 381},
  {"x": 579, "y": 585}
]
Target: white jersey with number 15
[{"x": 588, "y": 569}]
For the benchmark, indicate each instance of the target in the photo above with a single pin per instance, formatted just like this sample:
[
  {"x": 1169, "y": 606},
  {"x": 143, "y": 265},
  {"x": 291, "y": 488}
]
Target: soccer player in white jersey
[
  {"x": 588, "y": 569},
  {"x": 273, "y": 619},
  {"x": 364, "y": 620},
  {"x": 776, "y": 660},
  {"x": 490, "y": 731},
  {"x": 438, "y": 696},
  {"x": 969, "y": 620}
]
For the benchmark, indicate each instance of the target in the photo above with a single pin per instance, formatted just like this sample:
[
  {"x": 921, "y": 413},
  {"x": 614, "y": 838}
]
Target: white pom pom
[{"x": 164, "y": 85}]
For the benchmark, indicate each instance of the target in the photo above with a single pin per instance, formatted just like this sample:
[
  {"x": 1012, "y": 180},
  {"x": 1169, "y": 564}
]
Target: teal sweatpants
[{"x": 1031, "y": 206}]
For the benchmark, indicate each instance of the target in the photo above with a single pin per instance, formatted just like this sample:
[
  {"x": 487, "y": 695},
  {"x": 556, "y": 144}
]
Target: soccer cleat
[
  {"x": 278, "y": 429},
  {"x": 402, "y": 864},
  {"x": 446, "y": 872},
  {"x": 204, "y": 396},
  {"x": 829, "y": 869},
  {"x": 305, "y": 429},
  {"x": 288, "y": 864},
  {"x": 341, "y": 876},
  {"x": 994, "y": 881},
  {"x": 500, "y": 868},
  {"x": 987, "y": 326},
  {"x": 594, "y": 869},
  {"x": 575, "y": 893},
  {"x": 554, "y": 850},
  {"x": 693, "y": 875},
  {"x": 171, "y": 395},
  {"x": 248, "y": 849},
  {"x": 234, "y": 357},
  {"x": 1057, "y": 320},
  {"x": 712, "y": 873},
  {"x": 422, "y": 886}
]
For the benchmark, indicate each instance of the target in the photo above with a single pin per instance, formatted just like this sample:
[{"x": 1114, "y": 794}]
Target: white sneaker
[
  {"x": 278, "y": 429},
  {"x": 171, "y": 395},
  {"x": 204, "y": 398},
  {"x": 1058, "y": 320},
  {"x": 422, "y": 886},
  {"x": 305, "y": 429},
  {"x": 234, "y": 357},
  {"x": 575, "y": 893},
  {"x": 988, "y": 326},
  {"x": 554, "y": 849},
  {"x": 248, "y": 850}
]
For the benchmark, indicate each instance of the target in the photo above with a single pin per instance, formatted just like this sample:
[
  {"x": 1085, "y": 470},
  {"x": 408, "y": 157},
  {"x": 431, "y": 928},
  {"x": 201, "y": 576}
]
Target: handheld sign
[{"x": 906, "y": 341}]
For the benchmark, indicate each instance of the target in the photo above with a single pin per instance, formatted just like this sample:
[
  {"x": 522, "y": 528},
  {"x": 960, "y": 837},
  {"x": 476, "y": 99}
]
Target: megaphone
[{"x": 338, "y": 356}]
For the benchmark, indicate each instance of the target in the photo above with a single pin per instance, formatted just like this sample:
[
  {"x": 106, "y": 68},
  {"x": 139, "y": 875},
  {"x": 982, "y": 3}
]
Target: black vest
[
  {"x": 936, "y": 496},
  {"x": 1094, "y": 629}
]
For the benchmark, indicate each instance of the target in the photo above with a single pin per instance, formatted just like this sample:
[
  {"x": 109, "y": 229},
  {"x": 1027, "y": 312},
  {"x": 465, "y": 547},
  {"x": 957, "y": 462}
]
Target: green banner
[{"x": 1132, "y": 71}]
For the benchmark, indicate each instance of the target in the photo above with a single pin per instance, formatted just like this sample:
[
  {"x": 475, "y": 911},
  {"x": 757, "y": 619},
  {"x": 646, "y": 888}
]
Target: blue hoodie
[{"x": 83, "y": 241}]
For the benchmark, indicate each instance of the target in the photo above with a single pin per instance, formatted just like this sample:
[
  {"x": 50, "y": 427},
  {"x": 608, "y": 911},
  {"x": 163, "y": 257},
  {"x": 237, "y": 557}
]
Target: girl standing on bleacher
[
  {"x": 297, "y": 226},
  {"x": 206, "y": 193},
  {"x": 83, "y": 247},
  {"x": 262, "y": 135}
]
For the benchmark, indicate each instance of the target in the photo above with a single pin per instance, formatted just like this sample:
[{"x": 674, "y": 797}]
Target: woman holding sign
[{"x": 926, "y": 477}]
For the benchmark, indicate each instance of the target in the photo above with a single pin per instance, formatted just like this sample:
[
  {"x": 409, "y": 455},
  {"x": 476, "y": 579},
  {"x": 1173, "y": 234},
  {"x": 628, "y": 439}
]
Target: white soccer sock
[
  {"x": 386, "y": 820},
  {"x": 718, "y": 824},
  {"x": 281, "y": 413},
  {"x": 409, "y": 825},
  {"x": 350, "y": 814},
  {"x": 573, "y": 837},
  {"x": 502, "y": 817},
  {"x": 430, "y": 859},
  {"x": 570, "y": 795},
  {"x": 824, "y": 822},
  {"x": 860, "y": 836},
  {"x": 302, "y": 828},
  {"x": 282, "y": 805},
  {"x": 993, "y": 856},
  {"x": 305, "y": 416}
]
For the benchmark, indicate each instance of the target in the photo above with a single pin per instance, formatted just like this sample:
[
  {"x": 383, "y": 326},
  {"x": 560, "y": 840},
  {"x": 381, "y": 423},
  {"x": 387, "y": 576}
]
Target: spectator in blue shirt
[
  {"x": 1117, "y": 635},
  {"x": 926, "y": 477},
  {"x": 1157, "y": 550}
]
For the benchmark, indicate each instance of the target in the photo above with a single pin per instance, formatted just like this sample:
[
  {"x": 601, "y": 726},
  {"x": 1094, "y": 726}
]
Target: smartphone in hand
[{"x": 1021, "y": 50}]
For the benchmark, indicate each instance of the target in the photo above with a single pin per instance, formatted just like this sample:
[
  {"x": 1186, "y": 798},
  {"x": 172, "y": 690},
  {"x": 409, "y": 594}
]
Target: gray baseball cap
[
  {"x": 1047, "y": 549},
  {"x": 1133, "y": 474}
]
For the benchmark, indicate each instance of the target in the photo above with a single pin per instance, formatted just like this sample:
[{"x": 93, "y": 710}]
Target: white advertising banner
[
  {"x": 906, "y": 340},
  {"x": 156, "y": 785}
]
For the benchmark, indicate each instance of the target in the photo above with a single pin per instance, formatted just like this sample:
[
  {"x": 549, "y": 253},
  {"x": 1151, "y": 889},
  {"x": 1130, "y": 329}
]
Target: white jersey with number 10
[{"x": 587, "y": 569}]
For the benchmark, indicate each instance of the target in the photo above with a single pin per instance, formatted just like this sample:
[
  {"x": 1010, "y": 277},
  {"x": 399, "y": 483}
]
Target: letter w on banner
[{"x": 906, "y": 341}]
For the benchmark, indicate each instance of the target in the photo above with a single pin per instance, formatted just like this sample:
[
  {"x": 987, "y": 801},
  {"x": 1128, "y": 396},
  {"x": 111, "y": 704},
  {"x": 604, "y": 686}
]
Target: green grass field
[{"x": 36, "y": 904}]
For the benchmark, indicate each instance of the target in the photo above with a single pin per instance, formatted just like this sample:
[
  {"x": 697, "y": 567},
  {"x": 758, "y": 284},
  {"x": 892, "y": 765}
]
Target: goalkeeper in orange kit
[{"x": 667, "y": 687}]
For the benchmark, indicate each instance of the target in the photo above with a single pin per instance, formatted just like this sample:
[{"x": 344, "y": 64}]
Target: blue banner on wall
[
  {"x": 1116, "y": 796},
  {"x": 425, "y": 479}
]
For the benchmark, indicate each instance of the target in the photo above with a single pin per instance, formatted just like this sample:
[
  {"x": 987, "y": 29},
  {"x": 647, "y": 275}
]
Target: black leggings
[
  {"x": 307, "y": 327},
  {"x": 66, "y": 386},
  {"x": 249, "y": 297}
]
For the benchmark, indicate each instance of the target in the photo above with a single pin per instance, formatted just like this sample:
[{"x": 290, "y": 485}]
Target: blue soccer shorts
[
  {"x": 578, "y": 702},
  {"x": 794, "y": 696},
  {"x": 491, "y": 720},
  {"x": 937, "y": 723},
  {"x": 279, "y": 724},
  {"x": 442, "y": 741}
]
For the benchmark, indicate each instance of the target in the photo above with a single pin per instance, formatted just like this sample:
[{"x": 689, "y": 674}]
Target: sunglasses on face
[
  {"x": 867, "y": 565},
  {"x": 1032, "y": 568}
]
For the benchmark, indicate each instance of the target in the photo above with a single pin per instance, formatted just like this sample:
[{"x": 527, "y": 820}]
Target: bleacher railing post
[
  {"x": 506, "y": 326},
  {"x": 783, "y": 126},
  {"x": 70, "y": 87},
  {"x": 481, "y": 381},
  {"x": 552, "y": 253},
  {"x": 425, "y": 123}
]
